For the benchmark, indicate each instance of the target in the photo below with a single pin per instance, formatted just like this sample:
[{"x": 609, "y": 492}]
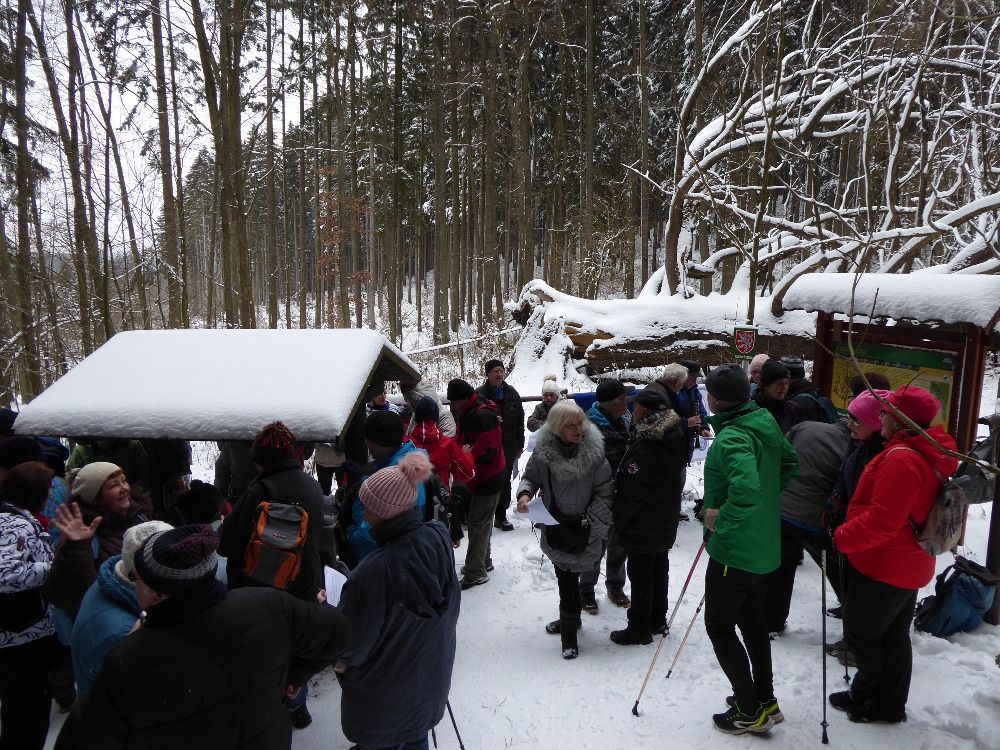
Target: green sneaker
[
  {"x": 734, "y": 721},
  {"x": 770, "y": 707}
]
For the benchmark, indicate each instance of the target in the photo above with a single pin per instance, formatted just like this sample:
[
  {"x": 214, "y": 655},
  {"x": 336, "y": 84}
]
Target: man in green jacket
[{"x": 748, "y": 466}]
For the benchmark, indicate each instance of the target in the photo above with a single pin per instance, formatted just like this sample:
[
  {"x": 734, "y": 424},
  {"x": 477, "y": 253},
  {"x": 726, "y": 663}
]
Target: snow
[
  {"x": 947, "y": 298},
  {"x": 215, "y": 384},
  {"x": 645, "y": 317}
]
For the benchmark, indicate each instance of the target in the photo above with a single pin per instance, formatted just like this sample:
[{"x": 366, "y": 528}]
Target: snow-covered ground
[{"x": 512, "y": 689}]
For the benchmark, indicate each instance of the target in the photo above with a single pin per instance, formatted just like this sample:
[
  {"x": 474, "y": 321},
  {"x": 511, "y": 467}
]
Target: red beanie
[{"x": 918, "y": 404}]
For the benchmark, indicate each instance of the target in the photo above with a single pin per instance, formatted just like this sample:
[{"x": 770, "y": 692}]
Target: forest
[{"x": 411, "y": 166}]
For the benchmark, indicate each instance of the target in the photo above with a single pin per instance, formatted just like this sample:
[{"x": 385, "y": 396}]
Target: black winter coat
[
  {"x": 647, "y": 504},
  {"x": 512, "y": 415},
  {"x": 215, "y": 680},
  {"x": 283, "y": 482},
  {"x": 786, "y": 413},
  {"x": 403, "y": 601}
]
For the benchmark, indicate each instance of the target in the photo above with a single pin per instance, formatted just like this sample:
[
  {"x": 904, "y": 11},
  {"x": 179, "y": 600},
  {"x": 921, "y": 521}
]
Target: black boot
[{"x": 567, "y": 633}]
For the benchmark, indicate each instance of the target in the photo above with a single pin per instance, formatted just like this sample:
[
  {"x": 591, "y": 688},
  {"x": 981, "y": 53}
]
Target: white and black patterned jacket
[{"x": 25, "y": 559}]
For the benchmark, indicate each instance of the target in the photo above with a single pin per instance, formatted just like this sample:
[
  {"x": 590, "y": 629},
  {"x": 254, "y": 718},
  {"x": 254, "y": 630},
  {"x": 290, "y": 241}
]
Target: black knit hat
[
  {"x": 693, "y": 368},
  {"x": 490, "y": 365},
  {"x": 651, "y": 399},
  {"x": 171, "y": 561},
  {"x": 796, "y": 370},
  {"x": 384, "y": 428},
  {"x": 459, "y": 390},
  {"x": 427, "y": 410},
  {"x": 771, "y": 372},
  {"x": 201, "y": 503},
  {"x": 375, "y": 388},
  {"x": 728, "y": 383},
  {"x": 17, "y": 449},
  {"x": 273, "y": 444},
  {"x": 608, "y": 389}
]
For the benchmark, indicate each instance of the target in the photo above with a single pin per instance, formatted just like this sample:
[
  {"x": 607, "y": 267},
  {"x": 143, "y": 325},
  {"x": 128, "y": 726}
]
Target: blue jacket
[
  {"x": 403, "y": 602},
  {"x": 359, "y": 533},
  {"x": 107, "y": 614}
]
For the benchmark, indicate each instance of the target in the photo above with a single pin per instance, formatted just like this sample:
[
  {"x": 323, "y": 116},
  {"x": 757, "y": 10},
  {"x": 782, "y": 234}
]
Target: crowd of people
[{"x": 204, "y": 609}]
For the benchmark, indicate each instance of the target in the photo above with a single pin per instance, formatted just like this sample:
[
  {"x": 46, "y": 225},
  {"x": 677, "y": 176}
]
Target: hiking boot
[
  {"x": 631, "y": 637},
  {"x": 660, "y": 628},
  {"x": 468, "y": 583},
  {"x": 770, "y": 708},
  {"x": 619, "y": 599},
  {"x": 869, "y": 712},
  {"x": 503, "y": 525},
  {"x": 837, "y": 612},
  {"x": 567, "y": 636},
  {"x": 555, "y": 627},
  {"x": 300, "y": 717},
  {"x": 844, "y": 701},
  {"x": 589, "y": 602},
  {"x": 845, "y": 657},
  {"x": 570, "y": 653},
  {"x": 489, "y": 569},
  {"x": 735, "y": 721}
]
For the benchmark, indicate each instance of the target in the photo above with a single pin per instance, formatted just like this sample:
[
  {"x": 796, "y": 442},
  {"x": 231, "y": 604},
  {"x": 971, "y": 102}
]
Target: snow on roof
[
  {"x": 216, "y": 384},
  {"x": 945, "y": 298}
]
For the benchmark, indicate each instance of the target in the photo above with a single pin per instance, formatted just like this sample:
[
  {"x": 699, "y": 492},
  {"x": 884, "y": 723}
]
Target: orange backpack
[{"x": 274, "y": 554}]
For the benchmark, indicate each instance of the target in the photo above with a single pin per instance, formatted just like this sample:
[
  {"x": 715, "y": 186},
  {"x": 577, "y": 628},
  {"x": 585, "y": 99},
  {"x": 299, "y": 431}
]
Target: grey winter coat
[
  {"x": 578, "y": 479},
  {"x": 821, "y": 448},
  {"x": 446, "y": 422}
]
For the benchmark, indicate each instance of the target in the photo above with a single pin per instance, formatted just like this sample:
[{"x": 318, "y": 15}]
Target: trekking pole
[
  {"x": 659, "y": 646},
  {"x": 824, "y": 724},
  {"x": 843, "y": 614},
  {"x": 454, "y": 724},
  {"x": 686, "y": 634}
]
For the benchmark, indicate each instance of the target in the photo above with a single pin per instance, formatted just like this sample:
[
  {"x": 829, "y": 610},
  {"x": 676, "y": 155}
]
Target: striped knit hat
[
  {"x": 171, "y": 561},
  {"x": 392, "y": 491}
]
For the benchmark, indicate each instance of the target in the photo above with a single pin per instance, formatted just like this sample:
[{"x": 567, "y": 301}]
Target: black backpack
[{"x": 825, "y": 410}]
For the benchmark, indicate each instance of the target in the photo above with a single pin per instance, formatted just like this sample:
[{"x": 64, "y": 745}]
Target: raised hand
[{"x": 69, "y": 520}]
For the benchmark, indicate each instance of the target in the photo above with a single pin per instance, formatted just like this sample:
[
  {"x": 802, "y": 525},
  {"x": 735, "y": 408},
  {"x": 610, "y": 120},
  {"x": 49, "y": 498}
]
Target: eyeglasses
[{"x": 851, "y": 419}]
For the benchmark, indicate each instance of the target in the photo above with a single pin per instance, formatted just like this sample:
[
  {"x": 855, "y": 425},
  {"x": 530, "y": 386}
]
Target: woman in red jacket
[{"x": 895, "y": 493}]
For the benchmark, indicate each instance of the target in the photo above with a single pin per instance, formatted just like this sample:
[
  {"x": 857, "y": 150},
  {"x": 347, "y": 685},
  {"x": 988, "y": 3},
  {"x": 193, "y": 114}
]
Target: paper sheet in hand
[
  {"x": 538, "y": 513},
  {"x": 334, "y": 582}
]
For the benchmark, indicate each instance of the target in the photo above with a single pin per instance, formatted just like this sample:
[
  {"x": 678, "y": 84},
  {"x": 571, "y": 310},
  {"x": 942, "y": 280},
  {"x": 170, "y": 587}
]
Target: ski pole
[
  {"x": 659, "y": 646},
  {"x": 843, "y": 613},
  {"x": 824, "y": 724},
  {"x": 454, "y": 724},
  {"x": 686, "y": 634}
]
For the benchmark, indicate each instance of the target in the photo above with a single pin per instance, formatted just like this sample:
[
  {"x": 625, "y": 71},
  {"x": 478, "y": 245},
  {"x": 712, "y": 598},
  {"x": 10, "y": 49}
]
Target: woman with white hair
[{"x": 568, "y": 466}]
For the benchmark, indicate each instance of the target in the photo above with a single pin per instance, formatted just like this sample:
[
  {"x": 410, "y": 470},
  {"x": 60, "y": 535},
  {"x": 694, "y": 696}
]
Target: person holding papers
[{"x": 568, "y": 466}]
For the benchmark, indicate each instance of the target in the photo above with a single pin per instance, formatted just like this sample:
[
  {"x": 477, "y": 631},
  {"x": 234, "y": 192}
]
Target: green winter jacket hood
[{"x": 748, "y": 466}]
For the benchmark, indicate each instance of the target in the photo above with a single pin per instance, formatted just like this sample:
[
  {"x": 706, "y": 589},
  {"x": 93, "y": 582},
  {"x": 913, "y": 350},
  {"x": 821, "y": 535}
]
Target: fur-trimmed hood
[
  {"x": 656, "y": 425},
  {"x": 568, "y": 464}
]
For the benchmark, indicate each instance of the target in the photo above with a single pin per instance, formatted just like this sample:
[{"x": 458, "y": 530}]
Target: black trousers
[
  {"x": 877, "y": 621},
  {"x": 648, "y": 572},
  {"x": 615, "y": 555},
  {"x": 25, "y": 698},
  {"x": 735, "y": 598},
  {"x": 780, "y": 583},
  {"x": 324, "y": 474},
  {"x": 503, "y": 502},
  {"x": 570, "y": 604}
]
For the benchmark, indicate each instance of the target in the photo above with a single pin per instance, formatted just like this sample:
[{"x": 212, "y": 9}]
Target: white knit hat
[
  {"x": 132, "y": 541},
  {"x": 89, "y": 480},
  {"x": 550, "y": 385}
]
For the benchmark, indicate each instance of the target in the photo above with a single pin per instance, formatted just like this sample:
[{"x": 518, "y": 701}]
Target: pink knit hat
[
  {"x": 393, "y": 490},
  {"x": 866, "y": 409}
]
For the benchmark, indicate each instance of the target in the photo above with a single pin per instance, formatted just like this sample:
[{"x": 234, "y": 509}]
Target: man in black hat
[
  {"x": 478, "y": 428},
  {"x": 376, "y": 400},
  {"x": 511, "y": 411},
  {"x": 207, "y": 668},
  {"x": 611, "y": 416},
  {"x": 801, "y": 390}
]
